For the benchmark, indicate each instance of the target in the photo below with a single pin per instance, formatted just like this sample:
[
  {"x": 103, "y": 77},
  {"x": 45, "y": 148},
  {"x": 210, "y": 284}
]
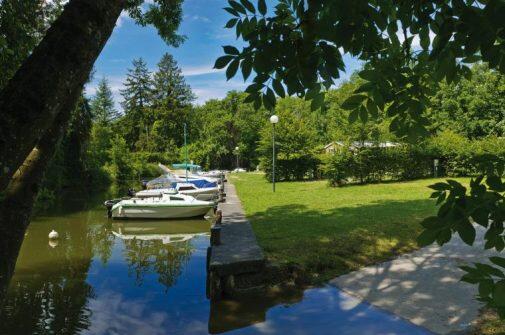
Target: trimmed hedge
[
  {"x": 458, "y": 157},
  {"x": 295, "y": 168},
  {"x": 369, "y": 165}
]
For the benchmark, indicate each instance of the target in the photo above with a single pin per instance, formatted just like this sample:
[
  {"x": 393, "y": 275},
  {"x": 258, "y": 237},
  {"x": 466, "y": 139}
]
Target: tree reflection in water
[
  {"x": 167, "y": 260},
  {"x": 49, "y": 292}
]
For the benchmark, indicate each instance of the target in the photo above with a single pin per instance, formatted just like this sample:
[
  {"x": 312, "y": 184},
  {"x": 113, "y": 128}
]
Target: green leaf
[
  {"x": 424, "y": 37},
  {"x": 363, "y": 114},
  {"x": 440, "y": 186},
  {"x": 278, "y": 88},
  {"x": 269, "y": 99},
  {"x": 427, "y": 237},
  {"x": 238, "y": 7},
  {"x": 246, "y": 66},
  {"x": 495, "y": 183},
  {"x": 353, "y": 116},
  {"x": 232, "y": 11},
  {"x": 431, "y": 222},
  {"x": 467, "y": 232},
  {"x": 500, "y": 261},
  {"x": 499, "y": 293},
  {"x": 222, "y": 61},
  {"x": 248, "y": 5},
  {"x": 353, "y": 101},
  {"x": 485, "y": 288},
  {"x": 230, "y": 50},
  {"x": 481, "y": 216},
  {"x": 444, "y": 236},
  {"x": 232, "y": 68},
  {"x": 369, "y": 75},
  {"x": 317, "y": 102},
  {"x": 487, "y": 269},
  {"x": 231, "y": 23},
  {"x": 262, "y": 7},
  {"x": 372, "y": 109}
]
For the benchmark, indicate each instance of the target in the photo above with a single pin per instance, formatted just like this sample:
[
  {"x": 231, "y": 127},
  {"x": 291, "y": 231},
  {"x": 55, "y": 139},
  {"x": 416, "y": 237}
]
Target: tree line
[{"x": 107, "y": 145}]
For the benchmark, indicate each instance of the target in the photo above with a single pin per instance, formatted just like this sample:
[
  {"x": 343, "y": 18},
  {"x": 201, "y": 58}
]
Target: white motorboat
[
  {"x": 167, "y": 206},
  {"x": 204, "y": 193}
]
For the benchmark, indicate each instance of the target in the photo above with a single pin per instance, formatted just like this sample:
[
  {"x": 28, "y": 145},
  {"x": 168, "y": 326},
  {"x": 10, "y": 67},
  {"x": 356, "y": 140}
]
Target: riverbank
[{"x": 332, "y": 231}]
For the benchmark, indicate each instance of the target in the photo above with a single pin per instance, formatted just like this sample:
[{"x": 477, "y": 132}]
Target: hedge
[
  {"x": 294, "y": 168},
  {"x": 458, "y": 157},
  {"x": 368, "y": 165}
]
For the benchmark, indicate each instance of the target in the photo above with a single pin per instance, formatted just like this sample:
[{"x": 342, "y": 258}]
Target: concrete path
[
  {"x": 239, "y": 251},
  {"x": 423, "y": 287}
]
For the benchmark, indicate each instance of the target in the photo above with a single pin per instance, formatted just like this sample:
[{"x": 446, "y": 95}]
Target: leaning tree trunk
[
  {"x": 16, "y": 207},
  {"x": 52, "y": 78}
]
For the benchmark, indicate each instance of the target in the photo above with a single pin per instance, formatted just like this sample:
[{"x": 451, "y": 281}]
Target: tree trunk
[
  {"x": 16, "y": 207},
  {"x": 52, "y": 78}
]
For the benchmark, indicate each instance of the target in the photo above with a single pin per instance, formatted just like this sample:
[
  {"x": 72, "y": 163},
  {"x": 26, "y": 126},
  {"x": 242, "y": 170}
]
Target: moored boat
[
  {"x": 200, "y": 193},
  {"x": 167, "y": 206}
]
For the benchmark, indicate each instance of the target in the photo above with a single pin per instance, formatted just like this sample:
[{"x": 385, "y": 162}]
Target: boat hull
[{"x": 159, "y": 211}]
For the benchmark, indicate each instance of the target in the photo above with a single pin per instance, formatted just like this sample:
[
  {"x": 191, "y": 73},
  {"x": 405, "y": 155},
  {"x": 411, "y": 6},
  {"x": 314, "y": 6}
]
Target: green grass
[{"x": 331, "y": 231}]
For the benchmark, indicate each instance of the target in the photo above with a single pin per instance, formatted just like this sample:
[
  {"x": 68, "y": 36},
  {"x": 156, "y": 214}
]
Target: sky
[{"x": 203, "y": 25}]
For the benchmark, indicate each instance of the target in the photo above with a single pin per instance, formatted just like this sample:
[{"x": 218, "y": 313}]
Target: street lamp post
[
  {"x": 236, "y": 152},
  {"x": 274, "y": 119}
]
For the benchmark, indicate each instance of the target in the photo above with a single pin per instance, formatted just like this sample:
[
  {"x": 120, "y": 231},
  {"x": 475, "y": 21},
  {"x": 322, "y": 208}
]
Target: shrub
[
  {"x": 368, "y": 165},
  {"x": 462, "y": 157},
  {"x": 293, "y": 168}
]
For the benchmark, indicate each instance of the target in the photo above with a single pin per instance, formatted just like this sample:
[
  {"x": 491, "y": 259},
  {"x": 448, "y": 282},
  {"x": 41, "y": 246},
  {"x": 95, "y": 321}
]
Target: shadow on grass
[{"x": 329, "y": 243}]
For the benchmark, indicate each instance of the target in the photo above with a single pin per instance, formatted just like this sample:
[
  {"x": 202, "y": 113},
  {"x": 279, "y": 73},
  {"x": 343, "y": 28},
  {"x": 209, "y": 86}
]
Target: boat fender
[{"x": 53, "y": 235}]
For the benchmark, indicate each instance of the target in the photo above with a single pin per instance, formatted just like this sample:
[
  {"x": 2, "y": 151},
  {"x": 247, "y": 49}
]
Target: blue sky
[{"x": 203, "y": 24}]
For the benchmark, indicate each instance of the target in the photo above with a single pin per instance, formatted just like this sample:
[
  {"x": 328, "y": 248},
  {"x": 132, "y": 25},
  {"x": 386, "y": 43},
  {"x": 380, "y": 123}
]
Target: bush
[
  {"x": 458, "y": 157},
  {"x": 369, "y": 165},
  {"x": 462, "y": 157},
  {"x": 295, "y": 168}
]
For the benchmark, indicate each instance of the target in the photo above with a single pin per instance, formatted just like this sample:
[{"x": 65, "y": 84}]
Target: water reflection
[
  {"x": 48, "y": 291},
  {"x": 53, "y": 289},
  {"x": 157, "y": 247},
  {"x": 148, "y": 277}
]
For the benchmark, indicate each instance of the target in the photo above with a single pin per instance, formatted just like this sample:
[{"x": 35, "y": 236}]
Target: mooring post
[
  {"x": 215, "y": 235},
  {"x": 219, "y": 217}
]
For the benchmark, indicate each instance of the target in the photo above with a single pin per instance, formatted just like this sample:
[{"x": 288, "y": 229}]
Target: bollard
[
  {"x": 219, "y": 217},
  {"x": 215, "y": 235}
]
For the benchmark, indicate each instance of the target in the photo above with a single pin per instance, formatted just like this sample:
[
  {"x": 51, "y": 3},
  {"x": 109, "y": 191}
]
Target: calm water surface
[{"x": 148, "y": 277}]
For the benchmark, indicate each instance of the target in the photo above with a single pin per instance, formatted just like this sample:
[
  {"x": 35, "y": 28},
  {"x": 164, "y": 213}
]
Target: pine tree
[
  {"x": 170, "y": 87},
  {"x": 172, "y": 98},
  {"x": 137, "y": 93},
  {"x": 137, "y": 98},
  {"x": 102, "y": 104}
]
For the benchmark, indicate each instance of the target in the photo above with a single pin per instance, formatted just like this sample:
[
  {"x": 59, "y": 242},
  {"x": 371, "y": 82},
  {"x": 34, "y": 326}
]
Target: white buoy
[{"x": 53, "y": 235}]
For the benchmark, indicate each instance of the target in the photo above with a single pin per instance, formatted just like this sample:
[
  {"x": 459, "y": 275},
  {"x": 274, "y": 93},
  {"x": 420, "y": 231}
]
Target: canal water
[{"x": 148, "y": 277}]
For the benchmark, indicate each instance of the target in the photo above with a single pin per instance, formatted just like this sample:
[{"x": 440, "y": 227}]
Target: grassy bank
[{"x": 331, "y": 231}]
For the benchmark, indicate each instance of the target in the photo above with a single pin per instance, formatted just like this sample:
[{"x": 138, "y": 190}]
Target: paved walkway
[
  {"x": 239, "y": 251},
  {"x": 423, "y": 287}
]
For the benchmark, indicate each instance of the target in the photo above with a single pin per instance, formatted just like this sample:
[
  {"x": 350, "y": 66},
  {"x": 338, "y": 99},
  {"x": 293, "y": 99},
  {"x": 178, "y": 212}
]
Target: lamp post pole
[
  {"x": 186, "y": 151},
  {"x": 273, "y": 120},
  {"x": 236, "y": 152}
]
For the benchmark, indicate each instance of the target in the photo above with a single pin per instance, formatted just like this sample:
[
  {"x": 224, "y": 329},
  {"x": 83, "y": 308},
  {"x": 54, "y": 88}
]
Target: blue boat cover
[{"x": 202, "y": 183}]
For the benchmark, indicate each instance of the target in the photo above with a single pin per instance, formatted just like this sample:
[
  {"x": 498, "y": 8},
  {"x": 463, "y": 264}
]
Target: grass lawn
[{"x": 331, "y": 231}]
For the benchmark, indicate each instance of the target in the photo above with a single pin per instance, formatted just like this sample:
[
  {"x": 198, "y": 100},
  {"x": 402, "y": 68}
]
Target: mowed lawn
[{"x": 331, "y": 231}]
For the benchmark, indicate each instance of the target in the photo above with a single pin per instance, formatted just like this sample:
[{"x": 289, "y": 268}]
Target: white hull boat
[
  {"x": 168, "y": 206},
  {"x": 205, "y": 193}
]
